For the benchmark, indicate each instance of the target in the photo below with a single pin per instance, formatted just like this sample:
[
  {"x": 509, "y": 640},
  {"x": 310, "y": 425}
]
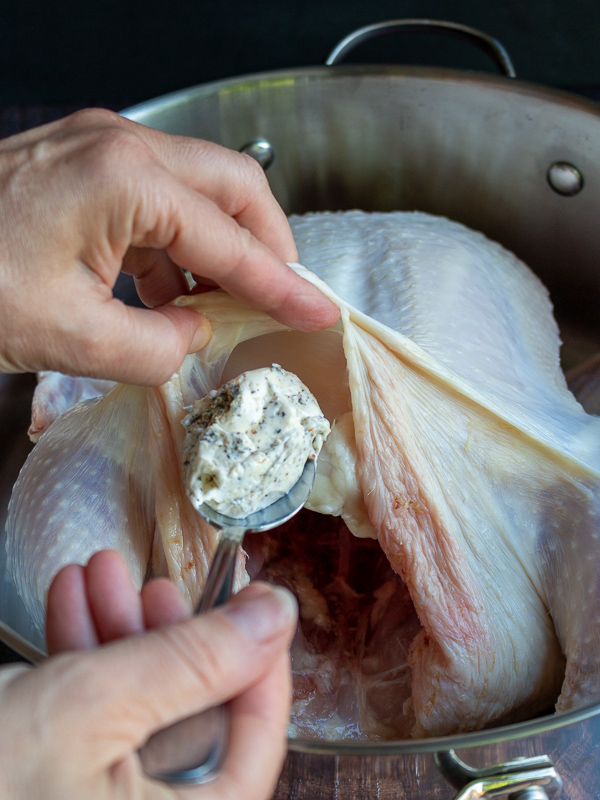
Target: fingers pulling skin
[
  {"x": 158, "y": 280},
  {"x": 199, "y": 237},
  {"x": 77, "y": 195},
  {"x": 107, "y": 339}
]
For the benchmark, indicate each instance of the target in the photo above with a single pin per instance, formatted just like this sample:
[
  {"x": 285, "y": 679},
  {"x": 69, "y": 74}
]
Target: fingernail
[
  {"x": 265, "y": 616},
  {"x": 202, "y": 336}
]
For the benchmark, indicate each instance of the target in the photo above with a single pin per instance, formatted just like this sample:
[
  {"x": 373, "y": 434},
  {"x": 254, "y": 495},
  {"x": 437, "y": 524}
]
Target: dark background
[{"x": 118, "y": 52}]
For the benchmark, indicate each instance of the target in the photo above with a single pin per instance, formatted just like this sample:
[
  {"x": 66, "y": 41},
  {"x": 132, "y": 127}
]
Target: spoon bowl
[{"x": 273, "y": 515}]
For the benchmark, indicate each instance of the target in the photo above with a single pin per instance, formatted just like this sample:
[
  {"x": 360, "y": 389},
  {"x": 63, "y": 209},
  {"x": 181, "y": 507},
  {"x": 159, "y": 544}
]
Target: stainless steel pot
[{"x": 520, "y": 163}]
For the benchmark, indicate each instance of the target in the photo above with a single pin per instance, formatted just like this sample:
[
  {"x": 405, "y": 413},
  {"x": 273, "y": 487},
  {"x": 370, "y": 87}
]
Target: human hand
[
  {"x": 84, "y": 715},
  {"x": 86, "y": 196}
]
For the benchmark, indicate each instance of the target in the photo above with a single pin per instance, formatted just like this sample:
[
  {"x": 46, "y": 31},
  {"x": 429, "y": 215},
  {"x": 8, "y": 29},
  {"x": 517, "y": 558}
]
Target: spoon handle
[
  {"x": 219, "y": 582},
  {"x": 192, "y": 751}
]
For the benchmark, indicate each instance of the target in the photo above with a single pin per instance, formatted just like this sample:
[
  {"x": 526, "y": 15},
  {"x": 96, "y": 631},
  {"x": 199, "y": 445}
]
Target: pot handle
[
  {"x": 521, "y": 778},
  {"x": 488, "y": 44}
]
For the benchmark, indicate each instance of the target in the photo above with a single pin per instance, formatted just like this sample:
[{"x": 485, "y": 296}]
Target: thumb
[
  {"x": 135, "y": 345},
  {"x": 136, "y": 686}
]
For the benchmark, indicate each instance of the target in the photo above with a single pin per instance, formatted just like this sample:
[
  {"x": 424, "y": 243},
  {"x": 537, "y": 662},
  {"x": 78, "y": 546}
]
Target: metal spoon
[{"x": 192, "y": 751}]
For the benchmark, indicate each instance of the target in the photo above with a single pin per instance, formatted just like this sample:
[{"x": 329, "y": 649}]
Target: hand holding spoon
[{"x": 192, "y": 751}]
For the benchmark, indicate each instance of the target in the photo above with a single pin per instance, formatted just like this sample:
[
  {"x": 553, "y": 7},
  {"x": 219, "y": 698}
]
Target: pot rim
[
  {"x": 289, "y": 77},
  {"x": 518, "y": 730}
]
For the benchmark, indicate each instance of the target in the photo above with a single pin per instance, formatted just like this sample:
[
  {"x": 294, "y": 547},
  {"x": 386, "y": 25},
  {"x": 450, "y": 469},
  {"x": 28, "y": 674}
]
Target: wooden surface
[{"x": 574, "y": 751}]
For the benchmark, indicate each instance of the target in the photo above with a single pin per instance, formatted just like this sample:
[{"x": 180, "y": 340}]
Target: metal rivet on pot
[
  {"x": 565, "y": 178},
  {"x": 260, "y": 150},
  {"x": 532, "y": 793}
]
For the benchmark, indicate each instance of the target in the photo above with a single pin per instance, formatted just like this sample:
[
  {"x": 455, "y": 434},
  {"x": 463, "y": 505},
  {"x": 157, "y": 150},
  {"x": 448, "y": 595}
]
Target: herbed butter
[{"x": 247, "y": 443}]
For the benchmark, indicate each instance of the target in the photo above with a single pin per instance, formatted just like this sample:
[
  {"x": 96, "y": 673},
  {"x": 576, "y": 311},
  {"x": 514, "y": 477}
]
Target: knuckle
[
  {"x": 92, "y": 118},
  {"x": 104, "y": 144},
  {"x": 114, "y": 147}
]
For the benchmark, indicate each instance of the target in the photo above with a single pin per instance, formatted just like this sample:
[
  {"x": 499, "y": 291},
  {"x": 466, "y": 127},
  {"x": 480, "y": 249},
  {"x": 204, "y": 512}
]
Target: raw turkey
[
  {"x": 55, "y": 393},
  {"x": 456, "y": 445}
]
